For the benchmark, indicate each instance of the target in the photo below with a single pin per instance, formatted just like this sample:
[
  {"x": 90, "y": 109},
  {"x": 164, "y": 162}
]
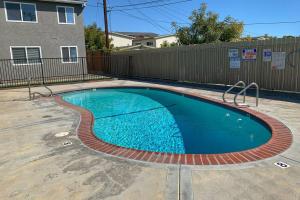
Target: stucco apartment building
[{"x": 30, "y": 30}]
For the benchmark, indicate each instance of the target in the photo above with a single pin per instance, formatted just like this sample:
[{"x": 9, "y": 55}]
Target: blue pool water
[{"x": 161, "y": 121}]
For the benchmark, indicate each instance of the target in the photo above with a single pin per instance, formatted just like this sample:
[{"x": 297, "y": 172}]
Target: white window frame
[
  {"x": 65, "y": 7},
  {"x": 61, "y": 53},
  {"x": 21, "y": 21},
  {"x": 12, "y": 58}
]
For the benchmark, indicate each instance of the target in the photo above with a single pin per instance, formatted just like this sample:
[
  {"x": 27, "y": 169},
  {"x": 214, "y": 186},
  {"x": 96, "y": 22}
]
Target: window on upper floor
[
  {"x": 20, "y": 12},
  {"x": 65, "y": 15},
  {"x": 69, "y": 54},
  {"x": 26, "y": 55}
]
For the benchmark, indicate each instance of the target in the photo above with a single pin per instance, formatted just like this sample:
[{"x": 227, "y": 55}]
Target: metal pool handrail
[
  {"x": 32, "y": 95},
  {"x": 235, "y": 85},
  {"x": 244, "y": 90}
]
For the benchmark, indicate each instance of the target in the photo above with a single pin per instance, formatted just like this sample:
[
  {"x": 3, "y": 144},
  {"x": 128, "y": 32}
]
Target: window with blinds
[
  {"x": 69, "y": 54},
  {"x": 26, "y": 55}
]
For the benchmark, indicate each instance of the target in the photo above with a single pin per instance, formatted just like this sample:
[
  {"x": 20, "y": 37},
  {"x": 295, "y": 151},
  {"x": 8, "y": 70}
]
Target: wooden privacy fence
[
  {"x": 98, "y": 62},
  {"x": 210, "y": 63}
]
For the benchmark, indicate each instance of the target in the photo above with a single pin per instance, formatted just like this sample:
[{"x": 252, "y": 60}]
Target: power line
[
  {"x": 165, "y": 12},
  {"x": 149, "y": 20},
  {"x": 170, "y": 8},
  {"x": 245, "y": 24},
  {"x": 156, "y": 3},
  {"x": 95, "y": 6},
  {"x": 138, "y": 4},
  {"x": 153, "y": 6},
  {"x": 140, "y": 18},
  {"x": 270, "y": 23}
]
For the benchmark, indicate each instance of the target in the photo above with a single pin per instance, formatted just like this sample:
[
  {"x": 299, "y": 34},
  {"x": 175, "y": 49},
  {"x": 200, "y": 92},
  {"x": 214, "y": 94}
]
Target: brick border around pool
[{"x": 280, "y": 141}]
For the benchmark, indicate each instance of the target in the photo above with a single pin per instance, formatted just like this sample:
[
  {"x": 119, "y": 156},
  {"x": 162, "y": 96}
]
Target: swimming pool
[{"x": 162, "y": 121}]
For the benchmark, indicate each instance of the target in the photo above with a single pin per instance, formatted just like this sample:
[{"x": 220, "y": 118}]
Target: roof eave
[
  {"x": 121, "y": 35},
  {"x": 67, "y": 1}
]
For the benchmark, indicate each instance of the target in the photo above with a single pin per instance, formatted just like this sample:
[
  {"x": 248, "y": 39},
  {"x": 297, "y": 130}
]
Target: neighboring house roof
[
  {"x": 136, "y": 47},
  {"x": 139, "y": 34},
  {"x": 164, "y": 36},
  {"x": 68, "y": 1},
  {"x": 121, "y": 35},
  {"x": 153, "y": 38}
]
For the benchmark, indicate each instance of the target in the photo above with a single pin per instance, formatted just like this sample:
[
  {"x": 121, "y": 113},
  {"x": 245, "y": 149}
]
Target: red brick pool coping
[{"x": 280, "y": 141}]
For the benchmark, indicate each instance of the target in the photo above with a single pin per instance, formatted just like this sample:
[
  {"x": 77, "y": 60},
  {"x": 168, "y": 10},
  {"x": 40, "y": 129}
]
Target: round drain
[
  {"x": 61, "y": 134},
  {"x": 67, "y": 143}
]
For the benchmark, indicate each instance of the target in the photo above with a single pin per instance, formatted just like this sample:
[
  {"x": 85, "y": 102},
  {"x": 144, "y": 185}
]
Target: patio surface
[{"x": 34, "y": 163}]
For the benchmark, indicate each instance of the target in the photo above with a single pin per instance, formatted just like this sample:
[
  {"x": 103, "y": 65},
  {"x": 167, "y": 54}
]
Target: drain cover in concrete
[
  {"x": 67, "y": 143},
  {"x": 61, "y": 134},
  {"x": 281, "y": 165}
]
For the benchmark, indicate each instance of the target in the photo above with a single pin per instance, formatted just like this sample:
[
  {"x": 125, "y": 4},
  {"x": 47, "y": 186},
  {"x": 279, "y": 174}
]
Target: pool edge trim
[{"x": 280, "y": 140}]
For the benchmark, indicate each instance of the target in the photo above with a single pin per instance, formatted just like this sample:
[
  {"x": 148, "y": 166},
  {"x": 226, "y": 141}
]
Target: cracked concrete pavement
[{"x": 34, "y": 163}]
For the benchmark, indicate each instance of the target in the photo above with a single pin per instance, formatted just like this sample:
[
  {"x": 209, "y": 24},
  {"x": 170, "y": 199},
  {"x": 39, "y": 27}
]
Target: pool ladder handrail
[
  {"x": 231, "y": 88},
  {"x": 244, "y": 90},
  {"x": 32, "y": 94}
]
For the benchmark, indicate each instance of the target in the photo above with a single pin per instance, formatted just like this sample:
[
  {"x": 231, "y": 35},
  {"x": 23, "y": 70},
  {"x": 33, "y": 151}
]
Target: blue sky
[{"x": 157, "y": 19}]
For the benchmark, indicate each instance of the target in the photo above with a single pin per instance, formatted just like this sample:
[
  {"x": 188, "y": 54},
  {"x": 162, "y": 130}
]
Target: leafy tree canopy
[
  {"x": 94, "y": 38},
  {"x": 207, "y": 28}
]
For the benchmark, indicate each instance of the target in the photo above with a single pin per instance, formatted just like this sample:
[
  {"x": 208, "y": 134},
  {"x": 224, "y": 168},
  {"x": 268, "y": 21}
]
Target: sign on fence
[
  {"x": 249, "y": 54},
  {"x": 233, "y": 53},
  {"x": 267, "y": 55},
  {"x": 278, "y": 60},
  {"x": 235, "y": 63}
]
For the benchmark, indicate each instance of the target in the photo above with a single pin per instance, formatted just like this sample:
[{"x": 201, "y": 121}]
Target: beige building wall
[
  {"x": 169, "y": 39},
  {"x": 156, "y": 42},
  {"x": 145, "y": 42},
  {"x": 120, "y": 41}
]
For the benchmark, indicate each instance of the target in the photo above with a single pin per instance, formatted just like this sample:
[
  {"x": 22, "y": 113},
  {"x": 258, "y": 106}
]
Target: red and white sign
[{"x": 249, "y": 54}]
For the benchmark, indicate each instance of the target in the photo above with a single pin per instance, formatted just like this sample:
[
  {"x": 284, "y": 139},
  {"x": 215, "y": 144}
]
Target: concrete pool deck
[{"x": 34, "y": 163}]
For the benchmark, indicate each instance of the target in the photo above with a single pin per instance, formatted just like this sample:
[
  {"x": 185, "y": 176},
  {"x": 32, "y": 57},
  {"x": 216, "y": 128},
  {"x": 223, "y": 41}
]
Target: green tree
[
  {"x": 94, "y": 38},
  {"x": 288, "y": 36},
  {"x": 206, "y": 28}
]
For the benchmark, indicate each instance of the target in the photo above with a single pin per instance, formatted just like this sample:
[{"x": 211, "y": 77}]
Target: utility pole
[{"x": 106, "y": 24}]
